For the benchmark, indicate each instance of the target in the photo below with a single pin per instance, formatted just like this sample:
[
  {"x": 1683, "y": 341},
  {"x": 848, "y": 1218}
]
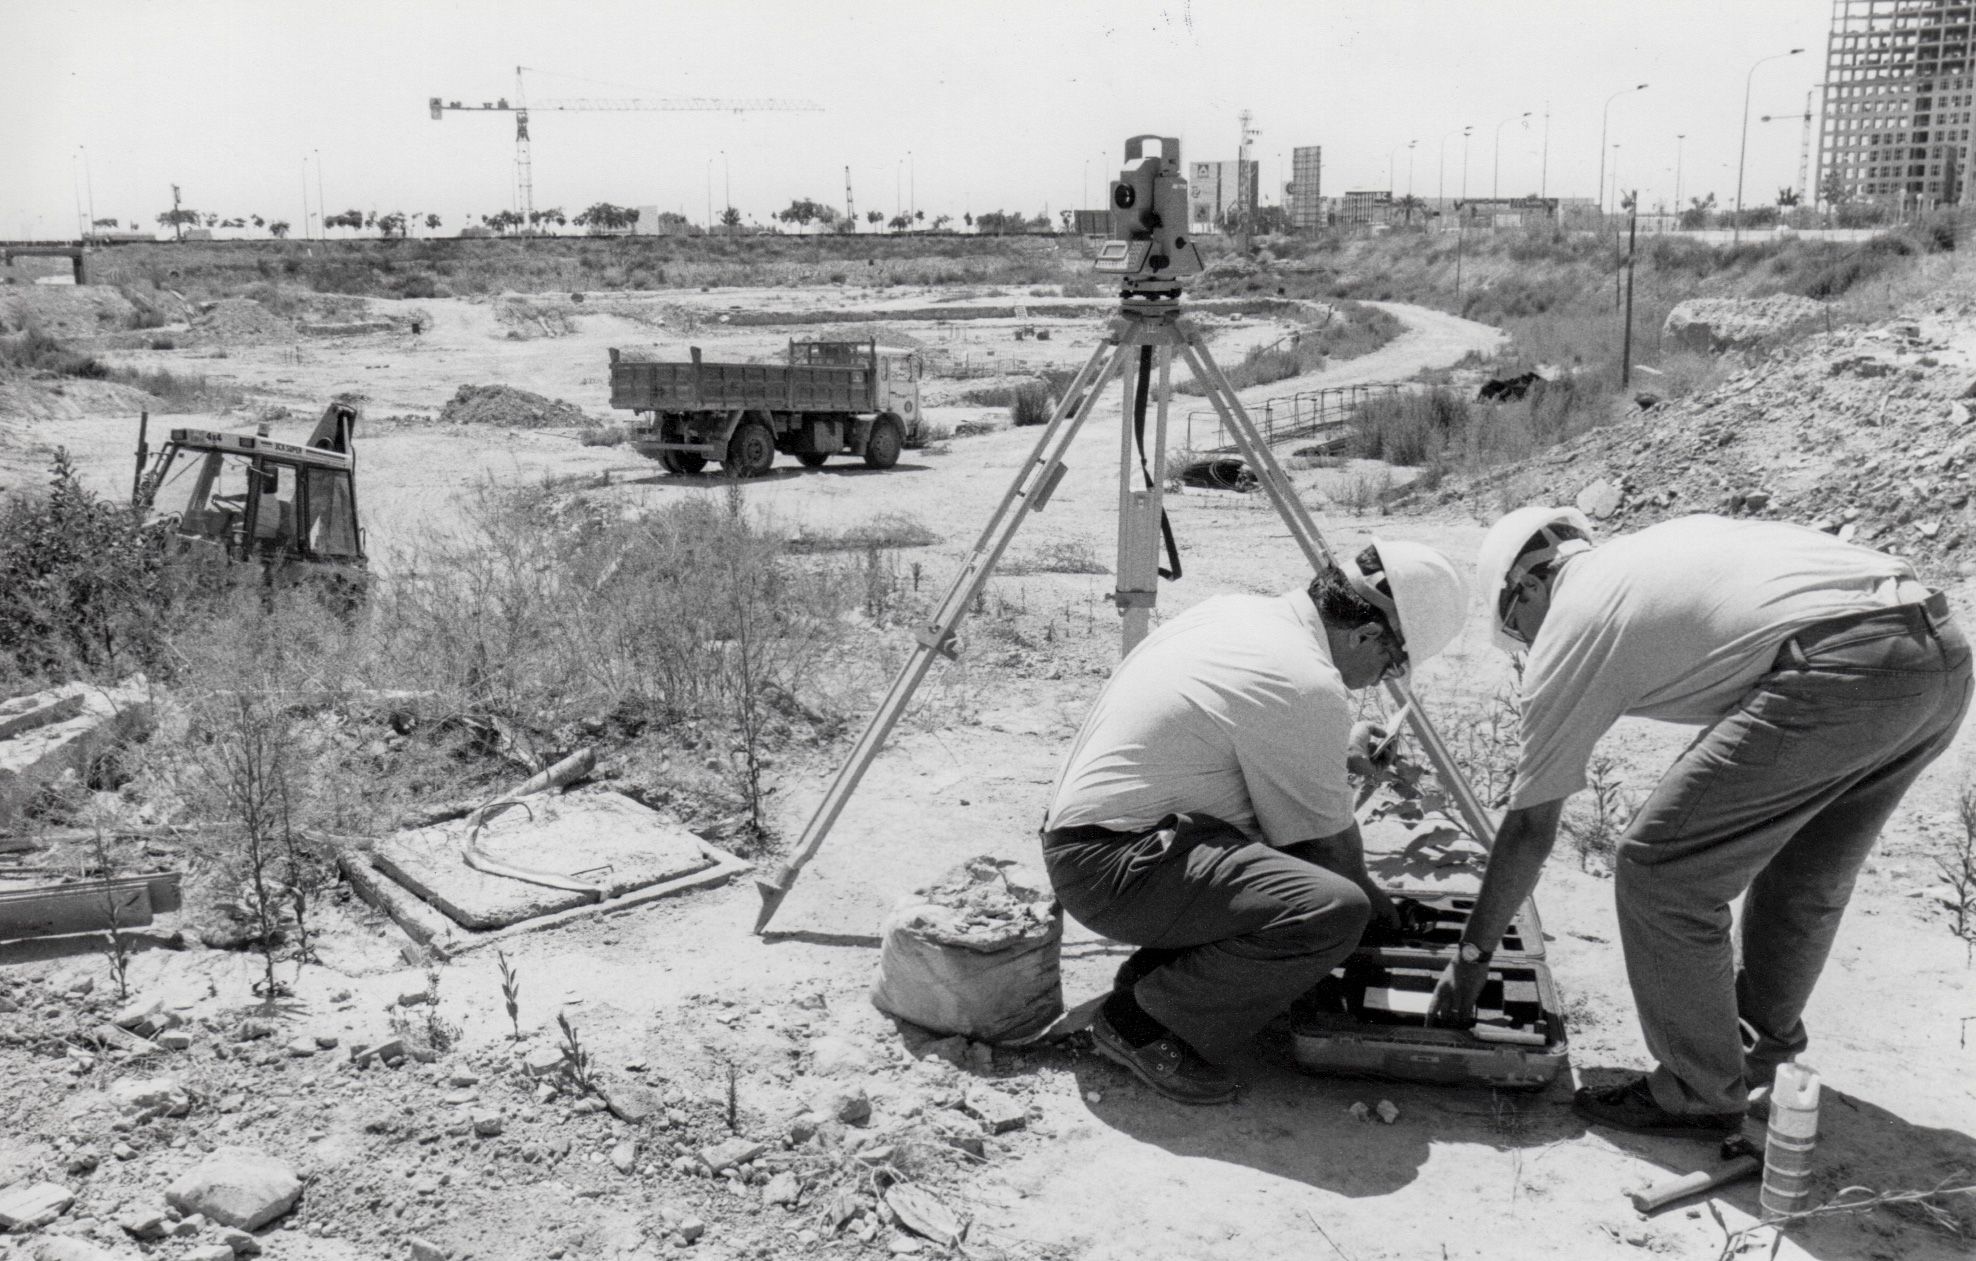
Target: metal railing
[{"x": 1324, "y": 414}]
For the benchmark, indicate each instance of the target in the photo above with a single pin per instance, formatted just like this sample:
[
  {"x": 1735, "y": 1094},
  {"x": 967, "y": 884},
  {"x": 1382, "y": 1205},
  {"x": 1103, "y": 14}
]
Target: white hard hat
[
  {"x": 1520, "y": 542},
  {"x": 1429, "y": 600}
]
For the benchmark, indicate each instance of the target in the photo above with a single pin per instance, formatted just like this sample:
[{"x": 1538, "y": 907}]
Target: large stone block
[{"x": 237, "y": 1186}]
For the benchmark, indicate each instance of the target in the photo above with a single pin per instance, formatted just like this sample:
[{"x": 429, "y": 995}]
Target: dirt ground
[{"x": 721, "y": 1024}]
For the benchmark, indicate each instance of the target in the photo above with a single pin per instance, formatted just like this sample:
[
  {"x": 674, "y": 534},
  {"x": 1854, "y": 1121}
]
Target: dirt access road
[{"x": 1102, "y": 1169}]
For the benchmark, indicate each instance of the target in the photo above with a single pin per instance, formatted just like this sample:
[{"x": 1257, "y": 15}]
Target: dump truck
[
  {"x": 831, "y": 398},
  {"x": 251, "y": 497}
]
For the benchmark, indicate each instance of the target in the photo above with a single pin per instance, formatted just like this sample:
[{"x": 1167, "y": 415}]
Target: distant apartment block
[
  {"x": 1213, "y": 188},
  {"x": 1306, "y": 190},
  {"x": 1899, "y": 80}
]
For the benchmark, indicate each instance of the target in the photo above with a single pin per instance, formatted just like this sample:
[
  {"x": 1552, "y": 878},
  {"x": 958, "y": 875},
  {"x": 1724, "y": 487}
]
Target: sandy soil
[{"x": 1102, "y": 1169}]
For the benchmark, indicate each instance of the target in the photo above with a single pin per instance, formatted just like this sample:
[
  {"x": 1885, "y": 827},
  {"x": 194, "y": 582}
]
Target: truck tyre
[
  {"x": 750, "y": 451},
  {"x": 685, "y": 463},
  {"x": 812, "y": 459},
  {"x": 882, "y": 447}
]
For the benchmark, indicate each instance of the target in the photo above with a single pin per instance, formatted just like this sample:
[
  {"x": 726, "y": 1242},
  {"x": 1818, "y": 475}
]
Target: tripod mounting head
[{"x": 1150, "y": 249}]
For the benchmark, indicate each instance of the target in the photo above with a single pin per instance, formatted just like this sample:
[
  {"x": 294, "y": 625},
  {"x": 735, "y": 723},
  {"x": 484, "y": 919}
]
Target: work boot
[
  {"x": 1630, "y": 1105},
  {"x": 1167, "y": 1064}
]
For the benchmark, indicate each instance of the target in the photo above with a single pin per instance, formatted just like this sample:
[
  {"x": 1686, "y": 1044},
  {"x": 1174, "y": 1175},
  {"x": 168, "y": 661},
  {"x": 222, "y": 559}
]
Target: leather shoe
[{"x": 1166, "y": 1064}]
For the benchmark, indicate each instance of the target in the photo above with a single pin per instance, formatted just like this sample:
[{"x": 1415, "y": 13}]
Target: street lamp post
[
  {"x": 305, "y": 196},
  {"x": 88, "y": 185},
  {"x": 1736, "y": 234},
  {"x": 726, "y": 186},
  {"x": 1441, "y": 170},
  {"x": 1496, "y": 162},
  {"x": 1603, "y": 114},
  {"x": 912, "y": 187},
  {"x": 322, "y": 207},
  {"x": 710, "y": 196},
  {"x": 1544, "y": 169},
  {"x": 1678, "y": 138}
]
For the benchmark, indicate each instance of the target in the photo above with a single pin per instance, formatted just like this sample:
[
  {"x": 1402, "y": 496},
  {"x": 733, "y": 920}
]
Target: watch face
[{"x": 1470, "y": 952}]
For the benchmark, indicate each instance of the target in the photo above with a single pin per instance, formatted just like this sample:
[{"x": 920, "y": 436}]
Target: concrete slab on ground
[{"x": 591, "y": 835}]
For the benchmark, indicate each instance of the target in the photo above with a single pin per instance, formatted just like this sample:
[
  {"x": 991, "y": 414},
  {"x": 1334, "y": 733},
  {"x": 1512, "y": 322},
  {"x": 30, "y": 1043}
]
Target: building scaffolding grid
[{"x": 1899, "y": 102}]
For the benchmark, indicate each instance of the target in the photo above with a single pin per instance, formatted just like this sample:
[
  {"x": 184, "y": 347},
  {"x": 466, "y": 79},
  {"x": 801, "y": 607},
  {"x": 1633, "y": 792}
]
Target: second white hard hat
[
  {"x": 1430, "y": 596},
  {"x": 1519, "y": 542}
]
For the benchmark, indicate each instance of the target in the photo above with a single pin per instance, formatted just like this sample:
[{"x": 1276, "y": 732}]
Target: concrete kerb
[{"x": 432, "y": 930}]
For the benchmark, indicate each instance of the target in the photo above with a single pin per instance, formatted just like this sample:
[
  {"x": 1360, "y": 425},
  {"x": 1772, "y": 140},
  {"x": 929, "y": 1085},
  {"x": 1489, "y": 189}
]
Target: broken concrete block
[
  {"x": 998, "y": 1113},
  {"x": 425, "y": 1250},
  {"x": 175, "y": 1040},
  {"x": 99, "y": 719},
  {"x": 242, "y": 1243},
  {"x": 543, "y": 1061},
  {"x": 240, "y": 1187},
  {"x": 69, "y": 1248},
  {"x": 144, "y": 1223},
  {"x": 116, "y": 1038},
  {"x": 143, "y": 1017},
  {"x": 849, "y": 1104},
  {"x": 487, "y": 1124},
  {"x": 732, "y": 1152},
  {"x": 389, "y": 1049},
  {"x": 624, "y": 1157},
  {"x": 208, "y": 1252},
  {"x": 32, "y": 1205},
  {"x": 25, "y": 713},
  {"x": 923, "y": 1213},
  {"x": 783, "y": 1188},
  {"x": 633, "y": 1103},
  {"x": 143, "y": 1098}
]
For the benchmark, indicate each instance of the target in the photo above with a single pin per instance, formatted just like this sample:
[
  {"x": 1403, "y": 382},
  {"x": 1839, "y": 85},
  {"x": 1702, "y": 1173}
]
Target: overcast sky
[{"x": 950, "y": 105}]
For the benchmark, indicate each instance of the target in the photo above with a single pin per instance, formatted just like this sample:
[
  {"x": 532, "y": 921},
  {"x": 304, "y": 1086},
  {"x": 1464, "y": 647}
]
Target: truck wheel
[
  {"x": 812, "y": 459},
  {"x": 883, "y": 446},
  {"x": 685, "y": 463},
  {"x": 750, "y": 451}
]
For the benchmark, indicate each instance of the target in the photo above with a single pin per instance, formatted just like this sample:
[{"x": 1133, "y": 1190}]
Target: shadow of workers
[{"x": 1294, "y": 1125}]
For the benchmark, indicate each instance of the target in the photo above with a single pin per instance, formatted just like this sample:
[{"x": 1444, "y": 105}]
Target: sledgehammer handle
[{"x": 1661, "y": 1194}]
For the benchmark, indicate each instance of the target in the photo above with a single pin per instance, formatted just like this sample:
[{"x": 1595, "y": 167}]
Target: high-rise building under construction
[{"x": 1899, "y": 80}]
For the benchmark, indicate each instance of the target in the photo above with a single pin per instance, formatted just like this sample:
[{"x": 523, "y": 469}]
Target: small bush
[
  {"x": 604, "y": 436},
  {"x": 1029, "y": 404},
  {"x": 81, "y": 591},
  {"x": 1409, "y": 428}
]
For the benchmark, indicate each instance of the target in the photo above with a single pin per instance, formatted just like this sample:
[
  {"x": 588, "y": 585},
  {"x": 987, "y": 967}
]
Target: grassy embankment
[{"x": 1560, "y": 299}]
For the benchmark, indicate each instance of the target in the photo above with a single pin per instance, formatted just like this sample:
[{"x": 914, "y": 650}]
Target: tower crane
[{"x": 519, "y": 107}]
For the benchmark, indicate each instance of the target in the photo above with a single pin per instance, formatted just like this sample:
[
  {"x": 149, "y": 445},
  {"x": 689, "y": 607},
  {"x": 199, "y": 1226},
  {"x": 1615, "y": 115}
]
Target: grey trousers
[
  {"x": 1243, "y": 929},
  {"x": 1780, "y": 800}
]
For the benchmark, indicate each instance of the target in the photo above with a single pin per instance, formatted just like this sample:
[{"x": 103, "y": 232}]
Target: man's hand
[
  {"x": 1371, "y": 750},
  {"x": 1453, "y": 1004}
]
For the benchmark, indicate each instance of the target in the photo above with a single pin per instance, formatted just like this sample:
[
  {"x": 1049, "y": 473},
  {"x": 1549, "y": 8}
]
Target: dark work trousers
[
  {"x": 1780, "y": 800},
  {"x": 1248, "y": 928}
]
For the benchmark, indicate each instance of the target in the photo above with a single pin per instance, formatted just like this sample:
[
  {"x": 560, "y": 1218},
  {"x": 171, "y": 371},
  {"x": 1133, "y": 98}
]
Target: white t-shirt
[
  {"x": 1676, "y": 622},
  {"x": 1232, "y": 710}
]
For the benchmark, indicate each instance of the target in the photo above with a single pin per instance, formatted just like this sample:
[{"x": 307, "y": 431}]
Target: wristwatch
[{"x": 1472, "y": 953}]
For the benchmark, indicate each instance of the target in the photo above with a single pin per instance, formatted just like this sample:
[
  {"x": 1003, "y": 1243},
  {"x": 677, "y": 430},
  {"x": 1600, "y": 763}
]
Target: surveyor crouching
[
  {"x": 1826, "y": 678},
  {"x": 1204, "y": 813}
]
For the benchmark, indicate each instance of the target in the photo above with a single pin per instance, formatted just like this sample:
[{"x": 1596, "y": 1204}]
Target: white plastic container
[{"x": 1793, "y": 1135}]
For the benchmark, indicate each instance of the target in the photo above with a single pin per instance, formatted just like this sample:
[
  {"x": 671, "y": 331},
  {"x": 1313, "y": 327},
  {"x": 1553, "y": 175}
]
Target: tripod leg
[
  {"x": 1028, "y": 493},
  {"x": 1272, "y": 478}
]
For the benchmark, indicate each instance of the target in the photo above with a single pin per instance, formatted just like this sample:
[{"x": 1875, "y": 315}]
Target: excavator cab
[{"x": 249, "y": 497}]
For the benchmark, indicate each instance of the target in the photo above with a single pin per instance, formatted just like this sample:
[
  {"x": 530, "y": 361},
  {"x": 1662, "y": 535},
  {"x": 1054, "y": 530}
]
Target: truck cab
[{"x": 895, "y": 374}]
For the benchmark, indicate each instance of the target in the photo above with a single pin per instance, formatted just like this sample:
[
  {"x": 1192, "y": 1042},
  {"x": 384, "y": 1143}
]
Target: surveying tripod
[{"x": 1140, "y": 347}]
